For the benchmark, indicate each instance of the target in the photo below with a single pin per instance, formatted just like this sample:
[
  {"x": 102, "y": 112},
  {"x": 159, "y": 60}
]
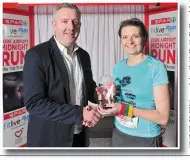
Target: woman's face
[{"x": 132, "y": 40}]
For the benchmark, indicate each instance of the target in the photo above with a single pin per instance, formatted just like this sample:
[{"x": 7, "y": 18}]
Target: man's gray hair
[{"x": 66, "y": 5}]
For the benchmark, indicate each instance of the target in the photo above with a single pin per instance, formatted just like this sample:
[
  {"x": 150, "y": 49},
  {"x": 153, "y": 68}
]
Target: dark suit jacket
[{"x": 46, "y": 95}]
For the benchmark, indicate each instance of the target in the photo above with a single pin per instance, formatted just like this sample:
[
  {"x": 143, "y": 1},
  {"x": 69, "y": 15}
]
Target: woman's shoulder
[
  {"x": 120, "y": 63},
  {"x": 154, "y": 61}
]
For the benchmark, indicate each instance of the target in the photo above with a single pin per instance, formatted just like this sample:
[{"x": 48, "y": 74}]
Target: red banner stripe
[
  {"x": 10, "y": 5},
  {"x": 23, "y": 145},
  {"x": 14, "y": 113}
]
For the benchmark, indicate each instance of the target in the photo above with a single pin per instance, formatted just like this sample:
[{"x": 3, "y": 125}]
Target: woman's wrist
[
  {"x": 119, "y": 107},
  {"x": 125, "y": 109}
]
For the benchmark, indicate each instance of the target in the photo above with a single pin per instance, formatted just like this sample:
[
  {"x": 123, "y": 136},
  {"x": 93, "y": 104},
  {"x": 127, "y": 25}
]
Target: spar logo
[
  {"x": 163, "y": 20},
  {"x": 15, "y": 22},
  {"x": 161, "y": 30}
]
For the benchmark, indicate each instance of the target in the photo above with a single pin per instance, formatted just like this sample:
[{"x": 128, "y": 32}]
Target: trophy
[{"x": 107, "y": 88}]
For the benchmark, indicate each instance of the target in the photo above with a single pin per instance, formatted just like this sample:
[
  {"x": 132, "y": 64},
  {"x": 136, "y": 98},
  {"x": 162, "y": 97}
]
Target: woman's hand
[{"x": 111, "y": 108}]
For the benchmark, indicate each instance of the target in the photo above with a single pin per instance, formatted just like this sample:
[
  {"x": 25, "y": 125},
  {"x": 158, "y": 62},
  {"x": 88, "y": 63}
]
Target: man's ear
[{"x": 54, "y": 24}]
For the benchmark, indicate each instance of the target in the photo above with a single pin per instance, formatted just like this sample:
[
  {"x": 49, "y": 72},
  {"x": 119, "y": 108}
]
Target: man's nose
[{"x": 71, "y": 25}]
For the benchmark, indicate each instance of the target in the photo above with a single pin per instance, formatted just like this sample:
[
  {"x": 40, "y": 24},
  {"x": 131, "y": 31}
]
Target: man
[{"x": 58, "y": 84}]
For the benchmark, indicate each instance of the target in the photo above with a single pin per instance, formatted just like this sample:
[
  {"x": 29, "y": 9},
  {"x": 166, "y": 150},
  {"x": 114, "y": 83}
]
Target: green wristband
[{"x": 126, "y": 110}]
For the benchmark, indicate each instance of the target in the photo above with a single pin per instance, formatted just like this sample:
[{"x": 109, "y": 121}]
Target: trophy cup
[{"x": 107, "y": 87}]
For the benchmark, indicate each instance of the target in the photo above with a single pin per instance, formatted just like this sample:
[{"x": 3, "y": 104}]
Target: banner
[
  {"x": 16, "y": 41},
  {"x": 15, "y": 128},
  {"x": 163, "y": 40}
]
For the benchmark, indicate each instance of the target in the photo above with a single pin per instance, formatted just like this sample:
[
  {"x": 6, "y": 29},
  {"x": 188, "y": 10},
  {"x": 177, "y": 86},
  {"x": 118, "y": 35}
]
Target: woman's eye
[{"x": 136, "y": 36}]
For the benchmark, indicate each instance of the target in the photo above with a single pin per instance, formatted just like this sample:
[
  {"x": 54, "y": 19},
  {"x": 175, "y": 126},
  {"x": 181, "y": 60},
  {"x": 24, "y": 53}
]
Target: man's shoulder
[
  {"x": 83, "y": 53},
  {"x": 40, "y": 47},
  {"x": 81, "y": 50}
]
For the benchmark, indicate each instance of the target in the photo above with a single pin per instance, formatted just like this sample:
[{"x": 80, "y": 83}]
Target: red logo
[
  {"x": 163, "y": 20},
  {"x": 12, "y": 22},
  {"x": 19, "y": 133}
]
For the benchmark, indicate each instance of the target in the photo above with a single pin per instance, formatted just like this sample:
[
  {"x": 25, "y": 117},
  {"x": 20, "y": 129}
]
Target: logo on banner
[
  {"x": 12, "y": 123},
  {"x": 25, "y": 23},
  {"x": 14, "y": 32},
  {"x": 18, "y": 135},
  {"x": 19, "y": 132},
  {"x": 11, "y": 115},
  {"x": 18, "y": 31},
  {"x": 15, "y": 22},
  {"x": 15, "y": 123},
  {"x": 162, "y": 30},
  {"x": 163, "y": 20}
]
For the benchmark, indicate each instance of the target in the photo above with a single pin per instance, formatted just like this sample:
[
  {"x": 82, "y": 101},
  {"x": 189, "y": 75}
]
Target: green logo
[
  {"x": 149, "y": 64},
  {"x": 173, "y": 19},
  {"x": 25, "y": 23}
]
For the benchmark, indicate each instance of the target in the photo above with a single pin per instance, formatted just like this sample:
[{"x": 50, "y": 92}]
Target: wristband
[
  {"x": 130, "y": 113},
  {"x": 129, "y": 110},
  {"x": 123, "y": 106},
  {"x": 126, "y": 112}
]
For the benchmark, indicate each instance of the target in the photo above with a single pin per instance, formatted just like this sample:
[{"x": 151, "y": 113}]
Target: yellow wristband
[{"x": 130, "y": 113}]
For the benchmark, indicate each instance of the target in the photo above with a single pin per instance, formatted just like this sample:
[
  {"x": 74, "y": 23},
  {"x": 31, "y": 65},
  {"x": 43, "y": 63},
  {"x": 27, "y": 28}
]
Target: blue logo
[
  {"x": 170, "y": 28},
  {"x": 23, "y": 30}
]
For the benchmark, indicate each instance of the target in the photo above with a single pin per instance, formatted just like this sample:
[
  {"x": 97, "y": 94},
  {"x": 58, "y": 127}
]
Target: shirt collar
[{"x": 63, "y": 49}]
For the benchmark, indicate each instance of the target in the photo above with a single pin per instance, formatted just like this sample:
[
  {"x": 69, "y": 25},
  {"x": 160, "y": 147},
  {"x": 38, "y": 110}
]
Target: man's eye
[
  {"x": 64, "y": 21},
  {"x": 76, "y": 22}
]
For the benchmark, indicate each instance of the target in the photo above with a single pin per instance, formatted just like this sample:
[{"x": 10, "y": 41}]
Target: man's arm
[{"x": 36, "y": 98}]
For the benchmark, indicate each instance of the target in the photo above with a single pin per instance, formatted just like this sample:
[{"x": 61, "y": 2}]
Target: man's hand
[{"x": 90, "y": 116}]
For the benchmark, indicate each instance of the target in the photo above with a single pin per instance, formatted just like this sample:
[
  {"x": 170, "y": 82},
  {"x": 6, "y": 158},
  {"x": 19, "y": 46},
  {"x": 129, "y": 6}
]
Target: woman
[{"x": 143, "y": 103}]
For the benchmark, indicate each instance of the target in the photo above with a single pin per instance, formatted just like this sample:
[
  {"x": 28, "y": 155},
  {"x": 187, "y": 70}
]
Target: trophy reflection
[{"x": 107, "y": 88}]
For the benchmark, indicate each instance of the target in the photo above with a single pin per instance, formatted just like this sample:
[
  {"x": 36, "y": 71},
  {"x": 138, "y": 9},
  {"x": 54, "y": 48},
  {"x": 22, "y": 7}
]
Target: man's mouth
[{"x": 70, "y": 34}]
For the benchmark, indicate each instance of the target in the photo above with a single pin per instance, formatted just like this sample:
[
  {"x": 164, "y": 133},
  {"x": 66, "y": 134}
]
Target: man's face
[{"x": 66, "y": 26}]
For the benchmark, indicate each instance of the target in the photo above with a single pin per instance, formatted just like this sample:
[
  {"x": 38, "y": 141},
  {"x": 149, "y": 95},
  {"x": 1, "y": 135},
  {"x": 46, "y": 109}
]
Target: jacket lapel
[
  {"x": 81, "y": 63},
  {"x": 61, "y": 65}
]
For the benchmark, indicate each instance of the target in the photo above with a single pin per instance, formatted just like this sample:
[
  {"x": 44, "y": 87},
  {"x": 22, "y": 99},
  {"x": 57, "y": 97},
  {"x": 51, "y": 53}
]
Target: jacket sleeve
[{"x": 36, "y": 98}]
